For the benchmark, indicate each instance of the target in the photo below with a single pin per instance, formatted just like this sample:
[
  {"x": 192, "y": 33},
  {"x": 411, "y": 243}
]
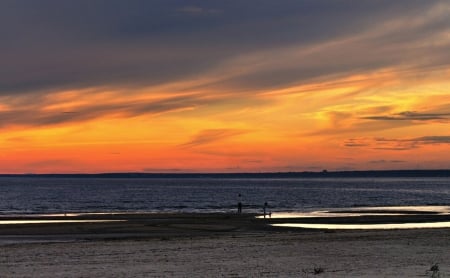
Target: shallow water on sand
[
  {"x": 409, "y": 217},
  {"x": 384, "y": 226}
]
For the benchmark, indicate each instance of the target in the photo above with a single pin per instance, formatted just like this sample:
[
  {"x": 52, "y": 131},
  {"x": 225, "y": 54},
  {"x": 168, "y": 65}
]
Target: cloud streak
[
  {"x": 208, "y": 136},
  {"x": 396, "y": 144},
  {"x": 33, "y": 115},
  {"x": 411, "y": 116},
  {"x": 382, "y": 161}
]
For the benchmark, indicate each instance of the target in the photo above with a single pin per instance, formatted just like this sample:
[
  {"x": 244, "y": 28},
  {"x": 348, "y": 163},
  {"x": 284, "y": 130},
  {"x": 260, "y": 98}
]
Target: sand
[{"x": 216, "y": 246}]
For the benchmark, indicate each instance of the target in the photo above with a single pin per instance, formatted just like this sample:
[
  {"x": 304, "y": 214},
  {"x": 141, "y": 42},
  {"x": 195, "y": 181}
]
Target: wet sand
[{"x": 218, "y": 245}]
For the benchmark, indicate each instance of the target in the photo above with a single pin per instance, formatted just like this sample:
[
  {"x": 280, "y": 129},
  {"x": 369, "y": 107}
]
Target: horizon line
[{"x": 322, "y": 172}]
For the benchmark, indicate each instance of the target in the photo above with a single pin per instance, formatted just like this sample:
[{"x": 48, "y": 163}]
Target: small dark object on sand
[
  {"x": 318, "y": 270},
  {"x": 435, "y": 270}
]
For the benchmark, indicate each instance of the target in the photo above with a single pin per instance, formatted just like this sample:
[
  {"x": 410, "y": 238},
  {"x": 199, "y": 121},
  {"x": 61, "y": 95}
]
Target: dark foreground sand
[{"x": 217, "y": 245}]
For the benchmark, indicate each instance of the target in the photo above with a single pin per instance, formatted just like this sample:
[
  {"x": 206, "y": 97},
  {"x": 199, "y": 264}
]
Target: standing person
[
  {"x": 239, "y": 203},
  {"x": 264, "y": 209}
]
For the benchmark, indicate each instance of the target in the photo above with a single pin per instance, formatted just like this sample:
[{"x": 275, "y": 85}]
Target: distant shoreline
[{"x": 276, "y": 175}]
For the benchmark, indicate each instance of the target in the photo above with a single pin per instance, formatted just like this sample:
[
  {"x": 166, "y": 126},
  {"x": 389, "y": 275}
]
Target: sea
[{"x": 49, "y": 195}]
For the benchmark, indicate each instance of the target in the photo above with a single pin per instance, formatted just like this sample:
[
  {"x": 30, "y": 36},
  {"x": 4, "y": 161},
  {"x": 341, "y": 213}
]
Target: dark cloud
[
  {"x": 433, "y": 139},
  {"x": 48, "y": 45},
  {"x": 411, "y": 116},
  {"x": 355, "y": 143},
  {"x": 406, "y": 148},
  {"x": 396, "y": 144}
]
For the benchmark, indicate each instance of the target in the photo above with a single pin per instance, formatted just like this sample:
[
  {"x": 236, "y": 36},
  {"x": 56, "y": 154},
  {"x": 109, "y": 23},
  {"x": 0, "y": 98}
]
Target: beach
[{"x": 215, "y": 245}]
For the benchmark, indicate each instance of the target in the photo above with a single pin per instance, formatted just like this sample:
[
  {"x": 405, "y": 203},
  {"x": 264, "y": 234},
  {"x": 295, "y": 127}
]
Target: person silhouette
[
  {"x": 264, "y": 209},
  {"x": 266, "y": 206},
  {"x": 239, "y": 203}
]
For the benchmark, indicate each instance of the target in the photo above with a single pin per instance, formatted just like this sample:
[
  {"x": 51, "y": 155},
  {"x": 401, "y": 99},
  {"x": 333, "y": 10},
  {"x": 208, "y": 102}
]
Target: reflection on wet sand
[
  {"x": 404, "y": 218},
  {"x": 43, "y": 221},
  {"x": 365, "y": 226},
  {"x": 366, "y": 211},
  {"x": 71, "y": 214}
]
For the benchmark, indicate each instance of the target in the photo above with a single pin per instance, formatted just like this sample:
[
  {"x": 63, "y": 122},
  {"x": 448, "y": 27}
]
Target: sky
[{"x": 95, "y": 86}]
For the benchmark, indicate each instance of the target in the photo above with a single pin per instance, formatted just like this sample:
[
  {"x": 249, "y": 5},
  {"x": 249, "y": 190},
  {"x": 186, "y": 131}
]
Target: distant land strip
[{"x": 264, "y": 175}]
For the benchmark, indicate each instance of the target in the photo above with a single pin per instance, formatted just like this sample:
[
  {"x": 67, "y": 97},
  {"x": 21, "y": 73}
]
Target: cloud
[
  {"x": 411, "y": 116},
  {"x": 356, "y": 143},
  {"x": 212, "y": 135},
  {"x": 255, "y": 45},
  {"x": 396, "y": 144},
  {"x": 433, "y": 139},
  {"x": 367, "y": 116},
  {"x": 35, "y": 115},
  {"x": 382, "y": 161}
]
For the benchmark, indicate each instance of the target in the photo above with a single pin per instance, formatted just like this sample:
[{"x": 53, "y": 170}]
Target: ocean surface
[{"x": 42, "y": 195}]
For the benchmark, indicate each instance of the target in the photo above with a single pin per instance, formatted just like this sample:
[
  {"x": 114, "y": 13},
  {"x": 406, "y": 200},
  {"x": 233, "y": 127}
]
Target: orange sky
[{"x": 379, "y": 98}]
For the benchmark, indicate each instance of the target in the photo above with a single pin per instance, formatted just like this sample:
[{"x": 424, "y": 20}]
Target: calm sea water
[{"x": 64, "y": 195}]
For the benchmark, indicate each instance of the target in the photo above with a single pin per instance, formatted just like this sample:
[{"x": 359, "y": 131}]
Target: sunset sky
[{"x": 223, "y": 86}]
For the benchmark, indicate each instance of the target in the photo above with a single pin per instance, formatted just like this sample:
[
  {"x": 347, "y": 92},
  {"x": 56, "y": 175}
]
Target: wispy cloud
[
  {"x": 356, "y": 143},
  {"x": 383, "y": 161},
  {"x": 411, "y": 116},
  {"x": 396, "y": 144},
  {"x": 37, "y": 115},
  {"x": 212, "y": 135},
  {"x": 433, "y": 139}
]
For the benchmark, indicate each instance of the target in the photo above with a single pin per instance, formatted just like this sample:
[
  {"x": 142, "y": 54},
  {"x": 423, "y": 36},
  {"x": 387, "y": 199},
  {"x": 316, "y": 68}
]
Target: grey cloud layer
[{"x": 47, "y": 45}]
